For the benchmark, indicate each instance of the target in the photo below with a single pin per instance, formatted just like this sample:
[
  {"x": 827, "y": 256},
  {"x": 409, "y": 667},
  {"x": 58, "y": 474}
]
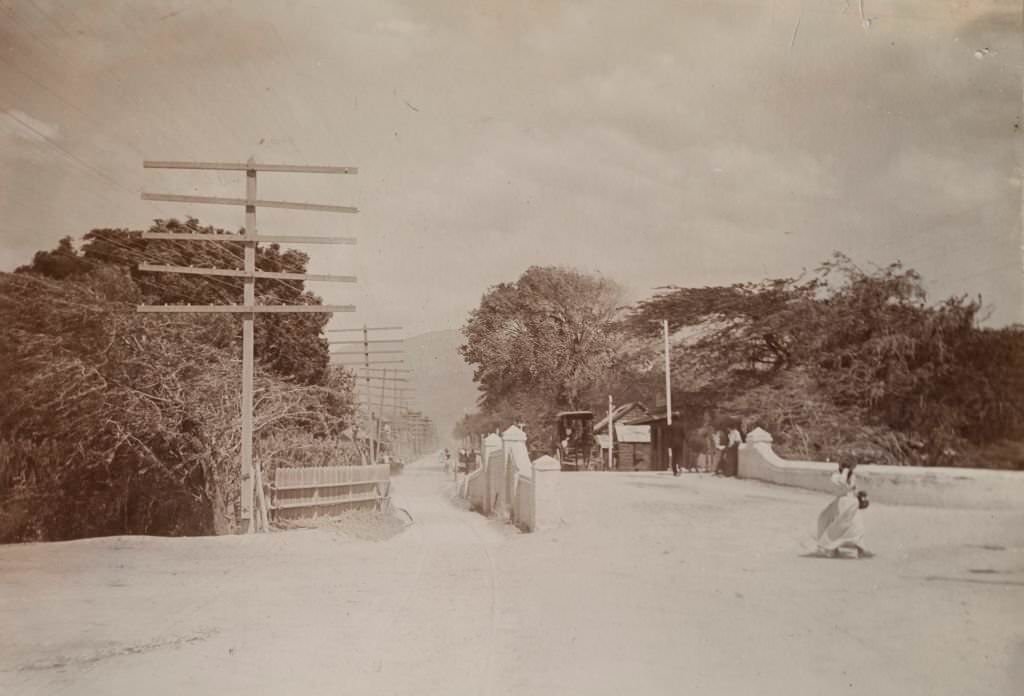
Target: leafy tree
[
  {"x": 290, "y": 345},
  {"x": 473, "y": 424},
  {"x": 120, "y": 422},
  {"x": 899, "y": 379},
  {"x": 539, "y": 343},
  {"x": 60, "y": 263}
]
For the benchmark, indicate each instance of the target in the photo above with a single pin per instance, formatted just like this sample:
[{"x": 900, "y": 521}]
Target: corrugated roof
[
  {"x": 618, "y": 413},
  {"x": 629, "y": 434},
  {"x": 658, "y": 415}
]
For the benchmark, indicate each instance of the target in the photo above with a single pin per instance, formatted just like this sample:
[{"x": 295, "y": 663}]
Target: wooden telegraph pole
[
  {"x": 380, "y": 383},
  {"x": 668, "y": 391},
  {"x": 251, "y": 477},
  {"x": 369, "y": 358},
  {"x": 611, "y": 432}
]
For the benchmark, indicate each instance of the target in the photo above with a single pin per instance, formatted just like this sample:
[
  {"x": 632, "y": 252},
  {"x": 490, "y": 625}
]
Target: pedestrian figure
[
  {"x": 716, "y": 447},
  {"x": 674, "y": 453},
  {"x": 840, "y": 524},
  {"x": 730, "y": 463}
]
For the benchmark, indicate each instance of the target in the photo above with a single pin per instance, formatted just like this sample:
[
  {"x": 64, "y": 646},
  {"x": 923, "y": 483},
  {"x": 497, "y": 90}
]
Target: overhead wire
[
  {"x": 103, "y": 175},
  {"x": 56, "y": 50},
  {"x": 67, "y": 153}
]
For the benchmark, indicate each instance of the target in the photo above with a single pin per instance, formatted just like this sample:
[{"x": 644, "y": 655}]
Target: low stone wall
[
  {"x": 901, "y": 485},
  {"x": 522, "y": 514},
  {"x": 494, "y": 470},
  {"x": 477, "y": 485},
  {"x": 547, "y": 477},
  {"x": 504, "y": 486},
  {"x": 475, "y": 490}
]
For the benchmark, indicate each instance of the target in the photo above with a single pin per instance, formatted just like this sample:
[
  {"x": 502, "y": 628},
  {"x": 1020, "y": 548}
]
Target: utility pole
[
  {"x": 250, "y": 477},
  {"x": 368, "y": 355},
  {"x": 668, "y": 392},
  {"x": 387, "y": 390},
  {"x": 611, "y": 432}
]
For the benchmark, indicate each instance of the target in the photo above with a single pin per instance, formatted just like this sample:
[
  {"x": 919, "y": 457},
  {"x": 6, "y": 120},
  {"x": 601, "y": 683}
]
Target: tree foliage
[
  {"x": 539, "y": 343},
  {"x": 120, "y": 422},
  {"x": 290, "y": 345},
  {"x": 905, "y": 380},
  {"x": 473, "y": 424}
]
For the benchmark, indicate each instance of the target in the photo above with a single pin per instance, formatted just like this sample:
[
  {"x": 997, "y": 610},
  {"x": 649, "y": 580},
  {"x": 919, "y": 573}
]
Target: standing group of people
[
  {"x": 720, "y": 449},
  {"x": 466, "y": 459},
  {"x": 723, "y": 456}
]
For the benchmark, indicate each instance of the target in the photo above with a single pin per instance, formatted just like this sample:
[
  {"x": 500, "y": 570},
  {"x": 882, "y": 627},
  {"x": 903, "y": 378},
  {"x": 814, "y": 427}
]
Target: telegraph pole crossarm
[
  {"x": 362, "y": 371},
  {"x": 251, "y": 520}
]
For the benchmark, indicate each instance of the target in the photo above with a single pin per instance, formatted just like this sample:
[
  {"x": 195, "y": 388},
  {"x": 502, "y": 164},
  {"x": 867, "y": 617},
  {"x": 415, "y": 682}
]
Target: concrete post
[
  {"x": 513, "y": 439},
  {"x": 492, "y": 443},
  {"x": 758, "y": 435},
  {"x": 755, "y": 437}
]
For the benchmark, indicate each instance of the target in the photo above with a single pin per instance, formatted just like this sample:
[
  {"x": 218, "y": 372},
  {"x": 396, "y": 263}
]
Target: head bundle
[{"x": 862, "y": 500}]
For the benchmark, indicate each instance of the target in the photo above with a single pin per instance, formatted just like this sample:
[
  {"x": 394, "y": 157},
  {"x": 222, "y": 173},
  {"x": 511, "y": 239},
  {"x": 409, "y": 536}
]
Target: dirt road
[{"x": 639, "y": 584}]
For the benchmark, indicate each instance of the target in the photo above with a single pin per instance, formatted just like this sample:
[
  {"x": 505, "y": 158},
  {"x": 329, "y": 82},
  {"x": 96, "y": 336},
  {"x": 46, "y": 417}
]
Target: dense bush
[
  {"x": 120, "y": 422},
  {"x": 842, "y": 363},
  {"x": 853, "y": 364}
]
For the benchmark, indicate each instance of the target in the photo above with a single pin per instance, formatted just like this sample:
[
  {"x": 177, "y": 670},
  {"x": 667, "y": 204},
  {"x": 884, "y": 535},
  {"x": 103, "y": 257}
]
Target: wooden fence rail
[{"x": 311, "y": 491}]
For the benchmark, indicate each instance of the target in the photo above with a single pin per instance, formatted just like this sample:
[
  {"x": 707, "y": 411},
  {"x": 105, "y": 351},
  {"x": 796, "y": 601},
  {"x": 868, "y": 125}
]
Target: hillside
[{"x": 443, "y": 381}]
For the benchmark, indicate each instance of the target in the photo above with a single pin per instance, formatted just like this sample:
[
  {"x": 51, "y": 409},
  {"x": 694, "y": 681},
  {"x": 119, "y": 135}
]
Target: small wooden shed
[
  {"x": 662, "y": 437},
  {"x": 633, "y": 447},
  {"x": 624, "y": 413}
]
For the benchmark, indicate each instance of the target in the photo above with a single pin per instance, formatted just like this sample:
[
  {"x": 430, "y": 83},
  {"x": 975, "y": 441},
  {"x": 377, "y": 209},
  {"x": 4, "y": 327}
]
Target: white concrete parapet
[{"x": 903, "y": 485}]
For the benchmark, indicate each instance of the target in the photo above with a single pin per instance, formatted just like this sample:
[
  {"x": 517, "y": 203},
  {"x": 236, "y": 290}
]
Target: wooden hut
[
  {"x": 633, "y": 450},
  {"x": 623, "y": 414},
  {"x": 662, "y": 437}
]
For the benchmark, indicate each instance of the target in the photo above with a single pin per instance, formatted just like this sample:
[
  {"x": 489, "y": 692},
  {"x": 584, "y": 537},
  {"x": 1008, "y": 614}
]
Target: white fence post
[
  {"x": 514, "y": 441},
  {"x": 492, "y": 444},
  {"x": 533, "y": 496}
]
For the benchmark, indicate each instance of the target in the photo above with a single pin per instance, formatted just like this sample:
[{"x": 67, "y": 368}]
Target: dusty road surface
[{"x": 639, "y": 584}]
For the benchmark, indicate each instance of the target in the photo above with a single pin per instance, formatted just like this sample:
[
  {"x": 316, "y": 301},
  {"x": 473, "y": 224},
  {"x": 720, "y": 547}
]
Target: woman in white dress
[{"x": 840, "y": 524}]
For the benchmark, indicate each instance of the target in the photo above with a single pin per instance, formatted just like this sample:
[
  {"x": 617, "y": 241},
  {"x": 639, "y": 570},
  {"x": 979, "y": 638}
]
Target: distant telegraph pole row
[{"x": 377, "y": 393}]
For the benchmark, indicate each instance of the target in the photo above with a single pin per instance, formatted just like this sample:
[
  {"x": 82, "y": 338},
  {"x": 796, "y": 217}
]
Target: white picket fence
[{"x": 311, "y": 491}]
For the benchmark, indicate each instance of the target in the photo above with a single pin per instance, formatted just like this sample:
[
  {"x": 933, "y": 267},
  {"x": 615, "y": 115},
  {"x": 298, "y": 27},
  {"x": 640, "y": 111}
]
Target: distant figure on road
[
  {"x": 673, "y": 458},
  {"x": 466, "y": 459},
  {"x": 730, "y": 462},
  {"x": 840, "y": 525},
  {"x": 717, "y": 451}
]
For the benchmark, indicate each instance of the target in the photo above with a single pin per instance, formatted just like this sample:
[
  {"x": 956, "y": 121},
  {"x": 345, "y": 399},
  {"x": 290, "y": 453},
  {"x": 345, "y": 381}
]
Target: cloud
[
  {"x": 402, "y": 27},
  {"x": 660, "y": 142}
]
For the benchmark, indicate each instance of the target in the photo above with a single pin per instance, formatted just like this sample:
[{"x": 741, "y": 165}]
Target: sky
[{"x": 657, "y": 143}]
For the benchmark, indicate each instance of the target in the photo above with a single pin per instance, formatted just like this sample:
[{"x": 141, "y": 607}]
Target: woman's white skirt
[{"x": 840, "y": 524}]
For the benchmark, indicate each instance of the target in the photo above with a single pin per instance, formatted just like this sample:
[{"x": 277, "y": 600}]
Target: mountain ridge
[{"x": 443, "y": 381}]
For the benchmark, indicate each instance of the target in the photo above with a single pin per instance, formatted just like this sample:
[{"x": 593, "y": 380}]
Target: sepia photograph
[{"x": 511, "y": 347}]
